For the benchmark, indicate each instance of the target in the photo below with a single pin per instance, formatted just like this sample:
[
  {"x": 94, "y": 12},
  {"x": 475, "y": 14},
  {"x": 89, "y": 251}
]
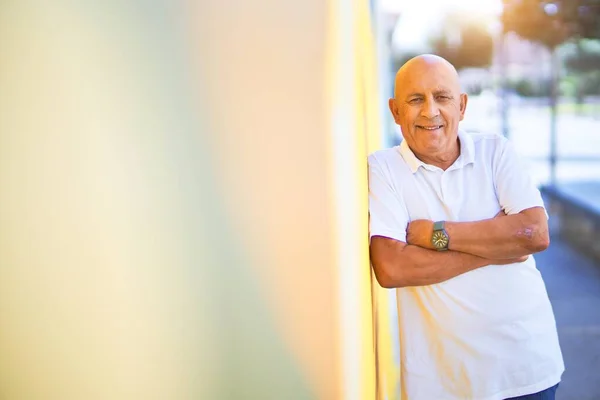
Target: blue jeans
[{"x": 547, "y": 394}]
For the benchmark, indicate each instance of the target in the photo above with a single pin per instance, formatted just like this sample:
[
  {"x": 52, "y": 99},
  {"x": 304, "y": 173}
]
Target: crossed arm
[{"x": 505, "y": 239}]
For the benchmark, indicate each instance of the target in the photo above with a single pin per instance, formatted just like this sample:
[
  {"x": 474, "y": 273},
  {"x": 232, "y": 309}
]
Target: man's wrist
[
  {"x": 439, "y": 237},
  {"x": 451, "y": 232}
]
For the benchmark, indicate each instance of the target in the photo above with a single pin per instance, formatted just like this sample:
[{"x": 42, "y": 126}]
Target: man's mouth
[{"x": 430, "y": 127}]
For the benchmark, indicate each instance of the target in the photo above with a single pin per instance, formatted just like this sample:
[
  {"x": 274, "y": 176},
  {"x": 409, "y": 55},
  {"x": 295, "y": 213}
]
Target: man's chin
[{"x": 433, "y": 143}]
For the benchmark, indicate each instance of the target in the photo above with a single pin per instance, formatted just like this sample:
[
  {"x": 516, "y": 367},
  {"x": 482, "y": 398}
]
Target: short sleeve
[
  {"x": 514, "y": 186},
  {"x": 387, "y": 215}
]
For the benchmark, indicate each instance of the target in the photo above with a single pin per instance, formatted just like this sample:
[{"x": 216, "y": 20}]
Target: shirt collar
[{"x": 467, "y": 154}]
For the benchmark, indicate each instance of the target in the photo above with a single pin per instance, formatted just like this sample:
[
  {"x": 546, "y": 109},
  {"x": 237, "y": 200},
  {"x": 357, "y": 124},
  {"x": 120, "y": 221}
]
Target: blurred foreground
[{"x": 183, "y": 203}]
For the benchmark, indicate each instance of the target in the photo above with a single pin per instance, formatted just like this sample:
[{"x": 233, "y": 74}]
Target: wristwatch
[{"x": 439, "y": 238}]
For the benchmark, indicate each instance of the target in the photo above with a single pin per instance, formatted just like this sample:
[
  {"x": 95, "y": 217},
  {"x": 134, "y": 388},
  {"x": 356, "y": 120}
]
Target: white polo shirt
[{"x": 488, "y": 334}]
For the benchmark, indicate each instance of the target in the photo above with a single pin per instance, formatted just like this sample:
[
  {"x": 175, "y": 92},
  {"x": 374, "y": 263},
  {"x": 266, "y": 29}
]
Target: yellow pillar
[{"x": 183, "y": 209}]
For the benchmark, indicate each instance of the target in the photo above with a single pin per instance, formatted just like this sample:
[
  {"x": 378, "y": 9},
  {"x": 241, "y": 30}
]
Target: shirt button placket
[
  {"x": 443, "y": 186},
  {"x": 446, "y": 192}
]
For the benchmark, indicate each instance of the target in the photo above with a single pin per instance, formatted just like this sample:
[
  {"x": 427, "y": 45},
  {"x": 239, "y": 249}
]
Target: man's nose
[{"x": 430, "y": 109}]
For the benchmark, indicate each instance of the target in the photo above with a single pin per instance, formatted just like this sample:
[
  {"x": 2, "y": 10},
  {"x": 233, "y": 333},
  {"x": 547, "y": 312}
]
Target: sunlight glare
[{"x": 418, "y": 19}]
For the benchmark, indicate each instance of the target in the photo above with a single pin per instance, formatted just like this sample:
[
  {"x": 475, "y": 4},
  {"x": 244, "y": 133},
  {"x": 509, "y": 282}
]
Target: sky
[{"x": 418, "y": 18}]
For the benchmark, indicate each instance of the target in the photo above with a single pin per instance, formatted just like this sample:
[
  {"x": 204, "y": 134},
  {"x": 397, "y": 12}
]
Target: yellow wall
[{"x": 183, "y": 202}]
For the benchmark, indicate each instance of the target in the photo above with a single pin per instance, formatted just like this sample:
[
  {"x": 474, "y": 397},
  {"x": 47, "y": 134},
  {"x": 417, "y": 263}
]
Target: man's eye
[
  {"x": 413, "y": 101},
  {"x": 444, "y": 97}
]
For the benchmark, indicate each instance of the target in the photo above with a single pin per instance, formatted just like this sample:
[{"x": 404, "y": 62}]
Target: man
[{"x": 454, "y": 220}]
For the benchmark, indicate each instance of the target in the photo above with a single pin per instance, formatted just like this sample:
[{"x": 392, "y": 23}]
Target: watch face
[{"x": 439, "y": 240}]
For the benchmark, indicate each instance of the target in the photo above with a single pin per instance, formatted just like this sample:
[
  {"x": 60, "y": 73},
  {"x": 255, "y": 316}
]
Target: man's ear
[
  {"x": 463, "y": 105},
  {"x": 394, "y": 110}
]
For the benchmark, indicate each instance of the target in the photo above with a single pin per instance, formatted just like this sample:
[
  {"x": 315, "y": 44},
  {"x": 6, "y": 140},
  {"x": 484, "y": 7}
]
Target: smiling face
[{"x": 428, "y": 106}]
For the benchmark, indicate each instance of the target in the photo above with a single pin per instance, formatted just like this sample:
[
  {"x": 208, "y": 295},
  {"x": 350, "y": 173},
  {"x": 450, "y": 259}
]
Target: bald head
[
  {"x": 428, "y": 105},
  {"x": 415, "y": 68}
]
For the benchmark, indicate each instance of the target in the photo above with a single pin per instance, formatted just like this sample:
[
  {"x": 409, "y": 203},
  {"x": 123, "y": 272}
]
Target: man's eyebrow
[
  {"x": 437, "y": 92},
  {"x": 443, "y": 91}
]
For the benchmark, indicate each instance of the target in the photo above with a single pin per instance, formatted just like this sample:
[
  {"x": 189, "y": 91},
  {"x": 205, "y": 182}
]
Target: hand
[
  {"x": 505, "y": 261},
  {"x": 418, "y": 233}
]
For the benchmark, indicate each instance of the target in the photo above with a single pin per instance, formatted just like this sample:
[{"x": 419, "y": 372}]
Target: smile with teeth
[{"x": 430, "y": 128}]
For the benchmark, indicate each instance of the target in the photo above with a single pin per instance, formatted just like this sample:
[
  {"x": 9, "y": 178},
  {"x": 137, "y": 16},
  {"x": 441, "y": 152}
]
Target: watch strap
[{"x": 439, "y": 225}]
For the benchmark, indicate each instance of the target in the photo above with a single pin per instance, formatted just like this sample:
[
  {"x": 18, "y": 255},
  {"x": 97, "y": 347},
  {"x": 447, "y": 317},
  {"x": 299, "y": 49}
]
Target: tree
[
  {"x": 585, "y": 59},
  {"x": 535, "y": 20},
  {"x": 551, "y": 23},
  {"x": 582, "y": 60},
  {"x": 582, "y": 16},
  {"x": 464, "y": 43},
  {"x": 541, "y": 22}
]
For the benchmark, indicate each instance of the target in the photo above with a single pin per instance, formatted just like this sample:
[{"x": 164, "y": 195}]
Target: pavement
[{"x": 573, "y": 284}]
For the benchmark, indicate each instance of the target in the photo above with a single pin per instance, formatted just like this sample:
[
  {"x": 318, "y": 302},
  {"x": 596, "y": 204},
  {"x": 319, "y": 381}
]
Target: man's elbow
[
  {"x": 540, "y": 242},
  {"x": 387, "y": 276},
  {"x": 534, "y": 231},
  {"x": 543, "y": 242}
]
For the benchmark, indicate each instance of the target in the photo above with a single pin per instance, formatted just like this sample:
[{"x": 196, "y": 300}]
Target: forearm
[
  {"x": 500, "y": 238},
  {"x": 415, "y": 266}
]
